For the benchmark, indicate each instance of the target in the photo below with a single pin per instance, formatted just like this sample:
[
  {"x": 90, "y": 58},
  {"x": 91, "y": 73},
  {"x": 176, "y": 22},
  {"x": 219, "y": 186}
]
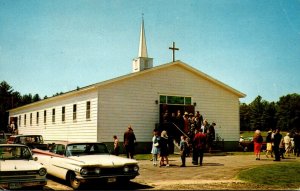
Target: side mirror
[{"x": 35, "y": 158}]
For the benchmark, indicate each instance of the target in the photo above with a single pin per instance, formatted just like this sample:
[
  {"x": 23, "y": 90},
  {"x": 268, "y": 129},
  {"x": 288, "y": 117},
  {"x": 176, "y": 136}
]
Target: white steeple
[
  {"x": 143, "y": 46},
  {"x": 142, "y": 62}
]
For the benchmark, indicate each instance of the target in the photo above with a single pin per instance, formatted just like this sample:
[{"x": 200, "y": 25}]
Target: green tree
[
  {"x": 288, "y": 112},
  {"x": 11, "y": 99},
  {"x": 269, "y": 119},
  {"x": 256, "y": 113},
  {"x": 36, "y": 98},
  {"x": 6, "y": 102},
  {"x": 245, "y": 117}
]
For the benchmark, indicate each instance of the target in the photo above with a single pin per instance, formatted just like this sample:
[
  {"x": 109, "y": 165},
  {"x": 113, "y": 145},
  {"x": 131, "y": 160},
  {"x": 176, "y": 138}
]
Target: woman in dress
[
  {"x": 257, "y": 140},
  {"x": 269, "y": 144},
  {"x": 164, "y": 151}
]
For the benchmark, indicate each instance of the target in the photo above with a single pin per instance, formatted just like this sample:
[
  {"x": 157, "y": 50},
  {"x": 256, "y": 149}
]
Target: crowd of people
[
  {"x": 187, "y": 124},
  {"x": 190, "y": 132},
  {"x": 195, "y": 137},
  {"x": 281, "y": 146}
]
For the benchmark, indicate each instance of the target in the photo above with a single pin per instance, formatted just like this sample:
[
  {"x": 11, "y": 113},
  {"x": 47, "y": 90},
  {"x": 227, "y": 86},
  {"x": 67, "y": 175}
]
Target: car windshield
[
  {"x": 14, "y": 153},
  {"x": 86, "y": 149},
  {"x": 31, "y": 139}
]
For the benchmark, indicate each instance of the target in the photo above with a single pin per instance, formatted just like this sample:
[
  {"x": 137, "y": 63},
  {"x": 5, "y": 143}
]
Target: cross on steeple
[{"x": 173, "y": 49}]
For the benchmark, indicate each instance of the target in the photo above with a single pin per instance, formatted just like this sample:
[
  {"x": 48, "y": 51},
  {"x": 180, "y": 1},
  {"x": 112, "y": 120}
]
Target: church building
[{"x": 99, "y": 111}]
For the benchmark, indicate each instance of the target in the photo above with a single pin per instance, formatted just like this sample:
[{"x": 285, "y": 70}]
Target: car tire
[{"x": 73, "y": 181}]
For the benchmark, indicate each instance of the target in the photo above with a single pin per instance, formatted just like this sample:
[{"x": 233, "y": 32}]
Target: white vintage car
[
  {"x": 18, "y": 169},
  {"x": 79, "y": 163}
]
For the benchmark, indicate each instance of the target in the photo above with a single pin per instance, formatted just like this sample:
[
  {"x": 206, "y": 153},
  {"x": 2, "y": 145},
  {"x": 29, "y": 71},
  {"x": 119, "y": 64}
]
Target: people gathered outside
[
  {"x": 129, "y": 142},
  {"x": 204, "y": 126},
  {"x": 183, "y": 150},
  {"x": 297, "y": 143},
  {"x": 282, "y": 148},
  {"x": 276, "y": 142},
  {"x": 155, "y": 151},
  {"x": 164, "y": 150},
  {"x": 210, "y": 136},
  {"x": 116, "y": 145},
  {"x": 269, "y": 149},
  {"x": 287, "y": 144},
  {"x": 257, "y": 140},
  {"x": 200, "y": 145}
]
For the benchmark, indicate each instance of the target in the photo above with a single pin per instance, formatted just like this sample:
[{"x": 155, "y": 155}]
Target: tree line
[
  {"x": 259, "y": 114},
  {"x": 9, "y": 98},
  {"x": 263, "y": 115}
]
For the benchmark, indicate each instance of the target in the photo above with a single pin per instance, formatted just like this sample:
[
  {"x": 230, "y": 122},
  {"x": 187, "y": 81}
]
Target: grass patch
[
  {"x": 149, "y": 156},
  {"x": 143, "y": 156},
  {"x": 281, "y": 174},
  {"x": 240, "y": 153}
]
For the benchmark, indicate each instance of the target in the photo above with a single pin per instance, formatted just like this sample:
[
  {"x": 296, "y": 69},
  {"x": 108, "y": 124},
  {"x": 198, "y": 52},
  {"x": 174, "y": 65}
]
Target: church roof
[
  {"x": 183, "y": 65},
  {"x": 131, "y": 75}
]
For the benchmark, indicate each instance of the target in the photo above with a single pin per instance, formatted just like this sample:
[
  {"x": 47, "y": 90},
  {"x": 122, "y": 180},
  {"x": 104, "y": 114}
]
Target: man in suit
[
  {"x": 276, "y": 140},
  {"x": 129, "y": 142}
]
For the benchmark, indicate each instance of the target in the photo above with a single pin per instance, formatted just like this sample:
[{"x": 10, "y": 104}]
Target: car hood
[
  {"x": 104, "y": 160},
  {"x": 19, "y": 165}
]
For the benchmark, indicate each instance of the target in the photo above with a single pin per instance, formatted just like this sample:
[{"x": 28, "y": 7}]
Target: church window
[
  {"x": 163, "y": 99},
  {"x": 88, "y": 110},
  {"x": 20, "y": 117},
  {"x": 53, "y": 115},
  {"x": 175, "y": 100},
  {"x": 63, "y": 114},
  {"x": 188, "y": 101},
  {"x": 30, "y": 119},
  {"x": 24, "y": 119},
  {"x": 74, "y": 112},
  {"x": 45, "y": 116},
  {"x": 37, "y": 118}
]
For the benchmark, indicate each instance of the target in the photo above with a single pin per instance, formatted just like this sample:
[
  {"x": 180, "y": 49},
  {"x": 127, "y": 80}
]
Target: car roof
[
  {"x": 70, "y": 142},
  {"x": 14, "y": 145},
  {"x": 25, "y": 135}
]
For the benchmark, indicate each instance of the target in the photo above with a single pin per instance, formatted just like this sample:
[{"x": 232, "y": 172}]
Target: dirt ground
[{"x": 217, "y": 173}]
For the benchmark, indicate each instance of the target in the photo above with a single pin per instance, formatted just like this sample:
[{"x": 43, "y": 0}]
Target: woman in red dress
[{"x": 257, "y": 140}]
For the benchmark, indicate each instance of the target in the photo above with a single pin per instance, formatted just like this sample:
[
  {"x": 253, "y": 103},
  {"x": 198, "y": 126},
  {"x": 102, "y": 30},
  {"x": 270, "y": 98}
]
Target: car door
[{"x": 57, "y": 161}]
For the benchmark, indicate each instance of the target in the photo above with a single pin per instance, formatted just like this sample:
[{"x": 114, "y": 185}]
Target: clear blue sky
[{"x": 51, "y": 46}]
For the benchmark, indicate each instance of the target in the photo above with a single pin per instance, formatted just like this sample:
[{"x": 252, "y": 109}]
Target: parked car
[
  {"x": 32, "y": 141},
  {"x": 78, "y": 163},
  {"x": 18, "y": 169},
  {"x": 247, "y": 144},
  {"x": 4, "y": 137}
]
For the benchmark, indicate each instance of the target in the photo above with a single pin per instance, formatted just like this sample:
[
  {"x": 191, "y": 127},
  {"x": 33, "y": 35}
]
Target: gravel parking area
[{"x": 217, "y": 172}]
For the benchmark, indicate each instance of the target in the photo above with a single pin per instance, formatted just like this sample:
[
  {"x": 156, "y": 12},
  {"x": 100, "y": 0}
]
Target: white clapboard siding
[
  {"x": 81, "y": 129},
  {"x": 132, "y": 101}
]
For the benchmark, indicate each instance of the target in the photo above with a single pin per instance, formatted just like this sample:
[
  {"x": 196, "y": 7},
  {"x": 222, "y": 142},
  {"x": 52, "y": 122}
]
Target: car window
[
  {"x": 58, "y": 149},
  {"x": 15, "y": 153},
  {"x": 11, "y": 139},
  {"x": 86, "y": 149}
]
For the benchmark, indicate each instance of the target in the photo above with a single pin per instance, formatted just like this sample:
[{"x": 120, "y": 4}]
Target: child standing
[
  {"x": 155, "y": 146},
  {"x": 183, "y": 150},
  {"x": 116, "y": 145}
]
